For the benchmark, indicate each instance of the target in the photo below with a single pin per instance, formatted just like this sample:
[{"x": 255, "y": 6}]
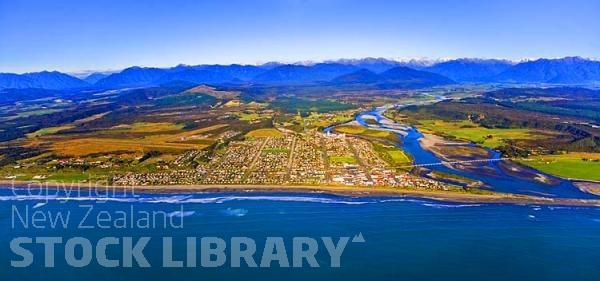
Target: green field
[
  {"x": 144, "y": 127},
  {"x": 67, "y": 175},
  {"x": 294, "y": 105},
  {"x": 264, "y": 133},
  {"x": 73, "y": 145},
  {"x": 391, "y": 154},
  {"x": 244, "y": 116},
  {"x": 327, "y": 119},
  {"x": 338, "y": 160},
  {"x": 469, "y": 131},
  {"x": 48, "y": 131},
  {"x": 399, "y": 157},
  {"x": 570, "y": 165}
]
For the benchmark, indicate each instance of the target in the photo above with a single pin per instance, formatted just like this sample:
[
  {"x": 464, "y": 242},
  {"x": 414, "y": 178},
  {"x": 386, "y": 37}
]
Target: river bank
[{"x": 479, "y": 164}]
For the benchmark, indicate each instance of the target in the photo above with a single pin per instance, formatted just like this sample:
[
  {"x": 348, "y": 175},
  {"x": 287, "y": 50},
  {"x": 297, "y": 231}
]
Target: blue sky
[{"x": 74, "y": 35}]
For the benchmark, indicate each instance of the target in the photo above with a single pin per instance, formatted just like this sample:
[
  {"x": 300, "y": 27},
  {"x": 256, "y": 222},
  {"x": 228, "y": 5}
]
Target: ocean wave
[
  {"x": 165, "y": 199},
  {"x": 39, "y": 205},
  {"x": 236, "y": 212},
  {"x": 190, "y": 199},
  {"x": 401, "y": 200},
  {"x": 205, "y": 199},
  {"x": 552, "y": 208},
  {"x": 322, "y": 200},
  {"x": 180, "y": 214},
  {"x": 440, "y": 206},
  {"x": 65, "y": 198}
]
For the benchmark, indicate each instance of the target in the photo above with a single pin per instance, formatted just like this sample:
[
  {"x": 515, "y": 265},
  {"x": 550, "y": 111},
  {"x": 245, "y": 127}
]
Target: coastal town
[{"x": 284, "y": 159}]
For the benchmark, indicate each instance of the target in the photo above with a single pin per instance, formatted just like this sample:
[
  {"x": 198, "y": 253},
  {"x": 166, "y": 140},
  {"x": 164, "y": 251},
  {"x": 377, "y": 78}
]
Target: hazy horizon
[
  {"x": 421, "y": 60},
  {"x": 74, "y": 36}
]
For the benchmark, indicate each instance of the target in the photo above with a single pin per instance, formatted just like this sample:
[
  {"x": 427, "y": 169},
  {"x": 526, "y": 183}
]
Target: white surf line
[{"x": 455, "y": 162}]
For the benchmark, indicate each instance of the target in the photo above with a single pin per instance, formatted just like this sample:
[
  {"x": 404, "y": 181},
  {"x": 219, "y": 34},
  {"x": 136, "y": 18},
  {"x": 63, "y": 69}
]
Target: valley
[{"x": 353, "y": 132}]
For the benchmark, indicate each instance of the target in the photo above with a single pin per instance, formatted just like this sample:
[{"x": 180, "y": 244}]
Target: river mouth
[{"x": 468, "y": 165}]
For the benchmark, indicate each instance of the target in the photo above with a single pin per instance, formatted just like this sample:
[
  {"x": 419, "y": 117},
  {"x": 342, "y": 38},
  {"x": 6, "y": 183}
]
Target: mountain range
[
  {"x": 471, "y": 70},
  {"x": 400, "y": 76},
  {"x": 41, "y": 80},
  {"x": 568, "y": 71}
]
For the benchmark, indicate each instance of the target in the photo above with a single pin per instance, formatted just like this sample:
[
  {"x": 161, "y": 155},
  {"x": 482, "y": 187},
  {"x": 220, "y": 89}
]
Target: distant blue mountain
[
  {"x": 470, "y": 70},
  {"x": 271, "y": 65},
  {"x": 209, "y": 74},
  {"x": 400, "y": 76},
  {"x": 414, "y": 78},
  {"x": 43, "y": 80},
  {"x": 15, "y": 81},
  {"x": 569, "y": 70},
  {"x": 55, "y": 80},
  {"x": 238, "y": 72},
  {"x": 132, "y": 77},
  {"x": 292, "y": 73},
  {"x": 362, "y": 76},
  {"x": 212, "y": 74},
  {"x": 95, "y": 77},
  {"x": 376, "y": 65},
  {"x": 379, "y": 65},
  {"x": 197, "y": 76}
]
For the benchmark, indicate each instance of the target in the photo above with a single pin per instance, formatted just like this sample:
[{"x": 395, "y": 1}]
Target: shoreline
[{"x": 444, "y": 196}]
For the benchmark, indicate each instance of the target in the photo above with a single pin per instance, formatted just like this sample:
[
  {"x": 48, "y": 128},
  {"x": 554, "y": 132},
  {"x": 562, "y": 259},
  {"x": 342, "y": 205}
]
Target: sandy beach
[{"x": 447, "y": 196}]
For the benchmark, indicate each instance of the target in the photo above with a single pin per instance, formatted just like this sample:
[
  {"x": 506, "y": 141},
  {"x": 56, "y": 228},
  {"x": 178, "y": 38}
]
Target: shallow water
[{"x": 501, "y": 182}]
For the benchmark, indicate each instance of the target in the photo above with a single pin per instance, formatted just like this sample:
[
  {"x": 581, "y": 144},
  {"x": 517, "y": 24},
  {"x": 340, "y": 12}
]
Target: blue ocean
[{"x": 404, "y": 238}]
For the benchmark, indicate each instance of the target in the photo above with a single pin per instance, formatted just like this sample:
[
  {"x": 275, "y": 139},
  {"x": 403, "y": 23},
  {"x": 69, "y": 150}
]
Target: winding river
[{"x": 498, "y": 180}]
